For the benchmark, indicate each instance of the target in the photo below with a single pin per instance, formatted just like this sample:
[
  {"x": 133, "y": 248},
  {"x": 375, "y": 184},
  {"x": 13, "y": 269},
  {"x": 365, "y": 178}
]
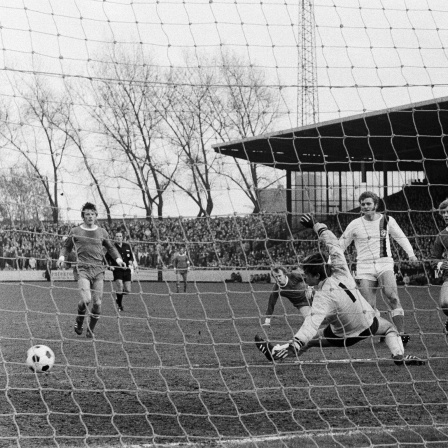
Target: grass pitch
[{"x": 183, "y": 369}]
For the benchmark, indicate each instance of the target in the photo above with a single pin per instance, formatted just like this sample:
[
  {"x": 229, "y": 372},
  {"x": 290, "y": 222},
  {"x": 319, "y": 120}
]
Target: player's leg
[
  {"x": 97, "y": 295},
  {"x": 84, "y": 292},
  {"x": 177, "y": 280},
  {"x": 184, "y": 278},
  {"x": 444, "y": 302},
  {"x": 368, "y": 288},
  {"x": 119, "y": 293},
  {"x": 126, "y": 290},
  {"x": 395, "y": 344},
  {"x": 388, "y": 285}
]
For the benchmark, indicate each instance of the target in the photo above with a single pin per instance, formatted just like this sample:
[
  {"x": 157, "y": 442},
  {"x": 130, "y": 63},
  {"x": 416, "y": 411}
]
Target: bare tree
[
  {"x": 124, "y": 91},
  {"x": 22, "y": 196},
  {"x": 187, "y": 113},
  {"x": 82, "y": 140},
  {"x": 35, "y": 132},
  {"x": 245, "y": 106}
]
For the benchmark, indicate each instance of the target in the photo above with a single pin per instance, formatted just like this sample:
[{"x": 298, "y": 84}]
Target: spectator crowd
[{"x": 230, "y": 242}]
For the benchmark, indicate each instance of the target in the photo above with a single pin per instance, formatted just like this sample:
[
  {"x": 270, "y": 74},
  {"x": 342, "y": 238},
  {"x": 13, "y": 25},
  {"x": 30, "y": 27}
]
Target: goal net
[{"x": 210, "y": 127}]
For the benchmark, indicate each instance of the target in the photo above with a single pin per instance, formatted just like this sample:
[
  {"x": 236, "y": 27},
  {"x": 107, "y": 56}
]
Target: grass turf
[{"x": 184, "y": 368}]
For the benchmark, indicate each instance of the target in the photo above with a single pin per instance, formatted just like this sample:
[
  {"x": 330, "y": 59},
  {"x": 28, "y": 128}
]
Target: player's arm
[
  {"x": 347, "y": 237},
  {"x": 337, "y": 257},
  {"x": 399, "y": 236},
  {"x": 112, "y": 250},
  {"x": 66, "y": 248},
  {"x": 175, "y": 262},
  {"x": 321, "y": 307},
  {"x": 133, "y": 259},
  {"x": 271, "y": 305}
]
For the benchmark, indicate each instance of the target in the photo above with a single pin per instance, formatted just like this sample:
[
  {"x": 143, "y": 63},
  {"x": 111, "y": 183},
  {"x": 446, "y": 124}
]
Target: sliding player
[
  {"x": 292, "y": 287},
  {"x": 181, "y": 264},
  {"x": 87, "y": 241},
  {"x": 374, "y": 262},
  {"x": 337, "y": 299},
  {"x": 438, "y": 250},
  {"x": 122, "y": 276}
]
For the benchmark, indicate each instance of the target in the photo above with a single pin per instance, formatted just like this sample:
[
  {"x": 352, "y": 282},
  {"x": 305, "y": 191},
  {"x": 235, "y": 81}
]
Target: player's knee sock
[
  {"x": 398, "y": 319},
  {"x": 119, "y": 299},
  {"x": 394, "y": 343},
  {"x": 94, "y": 316},
  {"x": 82, "y": 308}
]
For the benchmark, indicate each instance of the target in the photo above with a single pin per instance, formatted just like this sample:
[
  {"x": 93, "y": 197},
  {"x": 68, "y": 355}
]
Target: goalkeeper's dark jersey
[
  {"x": 294, "y": 291},
  {"x": 439, "y": 248}
]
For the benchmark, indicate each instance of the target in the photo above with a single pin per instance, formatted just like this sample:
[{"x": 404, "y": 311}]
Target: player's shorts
[
  {"x": 92, "y": 273},
  {"x": 372, "y": 270},
  {"x": 124, "y": 275},
  {"x": 337, "y": 341},
  {"x": 182, "y": 271}
]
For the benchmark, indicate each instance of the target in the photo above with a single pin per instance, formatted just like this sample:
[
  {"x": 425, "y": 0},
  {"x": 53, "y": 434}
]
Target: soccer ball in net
[{"x": 40, "y": 358}]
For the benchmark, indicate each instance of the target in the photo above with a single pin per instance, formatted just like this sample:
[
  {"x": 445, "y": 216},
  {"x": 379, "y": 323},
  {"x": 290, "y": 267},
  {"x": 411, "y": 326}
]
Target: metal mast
[{"x": 307, "y": 95}]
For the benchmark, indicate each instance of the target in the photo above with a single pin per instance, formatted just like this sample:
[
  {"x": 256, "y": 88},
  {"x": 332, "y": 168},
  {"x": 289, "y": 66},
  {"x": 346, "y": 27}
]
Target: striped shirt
[{"x": 372, "y": 240}]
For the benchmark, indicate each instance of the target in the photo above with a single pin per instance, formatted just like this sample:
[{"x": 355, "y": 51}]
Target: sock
[
  {"x": 119, "y": 299},
  {"x": 81, "y": 313},
  {"x": 398, "y": 321},
  {"x": 94, "y": 316},
  {"x": 93, "y": 321},
  {"x": 394, "y": 343}
]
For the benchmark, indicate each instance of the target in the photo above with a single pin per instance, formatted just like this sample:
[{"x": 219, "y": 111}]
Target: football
[{"x": 40, "y": 358}]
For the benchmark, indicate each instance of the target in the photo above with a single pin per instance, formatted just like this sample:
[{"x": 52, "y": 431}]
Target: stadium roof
[{"x": 401, "y": 138}]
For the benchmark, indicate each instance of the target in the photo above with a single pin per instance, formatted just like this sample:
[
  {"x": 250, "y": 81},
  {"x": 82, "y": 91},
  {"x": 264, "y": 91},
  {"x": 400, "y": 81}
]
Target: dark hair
[
  {"x": 316, "y": 264},
  {"x": 88, "y": 206},
  {"x": 371, "y": 195}
]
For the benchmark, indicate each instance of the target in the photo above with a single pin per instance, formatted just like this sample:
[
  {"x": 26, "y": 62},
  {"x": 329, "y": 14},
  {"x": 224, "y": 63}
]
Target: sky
[{"x": 370, "y": 55}]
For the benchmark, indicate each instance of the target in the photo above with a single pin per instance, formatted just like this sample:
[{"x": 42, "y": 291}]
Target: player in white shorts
[{"x": 374, "y": 263}]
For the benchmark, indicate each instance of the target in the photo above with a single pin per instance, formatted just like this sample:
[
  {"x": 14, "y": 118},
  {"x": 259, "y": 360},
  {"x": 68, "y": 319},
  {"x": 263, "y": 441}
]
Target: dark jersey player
[
  {"x": 122, "y": 276},
  {"x": 87, "y": 242},
  {"x": 440, "y": 264},
  {"x": 292, "y": 287},
  {"x": 181, "y": 264}
]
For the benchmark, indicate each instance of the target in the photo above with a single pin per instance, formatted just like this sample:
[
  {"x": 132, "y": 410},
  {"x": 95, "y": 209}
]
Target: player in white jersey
[
  {"x": 351, "y": 319},
  {"x": 439, "y": 259},
  {"x": 374, "y": 262}
]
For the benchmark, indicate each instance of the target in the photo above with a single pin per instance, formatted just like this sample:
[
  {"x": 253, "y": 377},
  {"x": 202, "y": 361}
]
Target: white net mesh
[{"x": 119, "y": 103}]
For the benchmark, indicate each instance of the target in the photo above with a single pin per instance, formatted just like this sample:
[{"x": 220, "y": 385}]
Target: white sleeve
[
  {"x": 398, "y": 235},
  {"x": 347, "y": 237},
  {"x": 337, "y": 257},
  {"x": 322, "y": 306}
]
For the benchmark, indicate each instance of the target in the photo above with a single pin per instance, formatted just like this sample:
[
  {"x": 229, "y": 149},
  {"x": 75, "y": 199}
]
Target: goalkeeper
[{"x": 336, "y": 298}]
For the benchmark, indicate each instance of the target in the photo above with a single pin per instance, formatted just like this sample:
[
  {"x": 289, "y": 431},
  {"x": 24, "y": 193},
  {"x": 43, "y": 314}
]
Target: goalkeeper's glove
[
  {"x": 307, "y": 221},
  {"x": 292, "y": 348},
  {"x": 267, "y": 322}
]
